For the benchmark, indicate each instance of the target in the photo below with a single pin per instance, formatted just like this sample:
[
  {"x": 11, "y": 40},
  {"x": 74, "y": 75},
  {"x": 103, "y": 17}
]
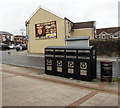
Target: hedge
[{"x": 107, "y": 47}]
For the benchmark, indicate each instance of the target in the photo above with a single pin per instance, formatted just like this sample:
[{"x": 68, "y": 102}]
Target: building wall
[
  {"x": 42, "y": 16},
  {"x": 68, "y": 28},
  {"x": 6, "y": 37},
  {"x": 83, "y": 32}
]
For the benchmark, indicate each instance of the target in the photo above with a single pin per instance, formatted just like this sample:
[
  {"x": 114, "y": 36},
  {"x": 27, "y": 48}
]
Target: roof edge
[
  {"x": 68, "y": 19},
  {"x": 107, "y": 28},
  {"x": 77, "y": 38},
  {"x": 5, "y": 32},
  {"x": 84, "y": 22}
]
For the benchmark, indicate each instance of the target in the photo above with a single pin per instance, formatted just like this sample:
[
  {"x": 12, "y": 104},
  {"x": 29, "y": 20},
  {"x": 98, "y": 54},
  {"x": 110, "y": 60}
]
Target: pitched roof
[
  {"x": 5, "y": 33},
  {"x": 108, "y": 30},
  {"x": 44, "y": 8},
  {"x": 79, "y": 25}
]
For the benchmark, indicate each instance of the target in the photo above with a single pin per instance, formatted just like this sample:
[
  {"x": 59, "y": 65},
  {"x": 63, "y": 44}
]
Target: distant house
[
  {"x": 108, "y": 33},
  {"x": 6, "y": 37}
]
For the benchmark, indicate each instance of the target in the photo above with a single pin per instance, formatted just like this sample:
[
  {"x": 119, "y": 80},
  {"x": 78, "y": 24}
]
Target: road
[{"x": 21, "y": 59}]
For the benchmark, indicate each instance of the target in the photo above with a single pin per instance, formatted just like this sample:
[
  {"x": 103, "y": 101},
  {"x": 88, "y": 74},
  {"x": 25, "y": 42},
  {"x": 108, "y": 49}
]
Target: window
[
  {"x": 115, "y": 36},
  {"x": 46, "y": 30},
  {"x": 98, "y": 37},
  {"x": 103, "y": 36}
]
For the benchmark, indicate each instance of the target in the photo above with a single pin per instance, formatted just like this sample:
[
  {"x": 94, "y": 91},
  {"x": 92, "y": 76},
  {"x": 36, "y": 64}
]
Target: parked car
[
  {"x": 4, "y": 47},
  {"x": 24, "y": 47},
  {"x": 12, "y": 46},
  {"x": 21, "y": 47}
]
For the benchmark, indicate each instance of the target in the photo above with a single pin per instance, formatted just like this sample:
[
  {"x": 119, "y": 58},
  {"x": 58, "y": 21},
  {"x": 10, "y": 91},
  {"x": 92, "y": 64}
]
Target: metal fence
[{"x": 23, "y": 60}]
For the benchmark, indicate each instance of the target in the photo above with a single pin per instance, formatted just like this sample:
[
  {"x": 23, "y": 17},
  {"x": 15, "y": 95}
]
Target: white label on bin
[
  {"x": 83, "y": 72},
  {"x": 71, "y": 71},
  {"x": 49, "y": 67},
  {"x": 59, "y": 69},
  {"x": 83, "y": 57},
  {"x": 70, "y": 50}
]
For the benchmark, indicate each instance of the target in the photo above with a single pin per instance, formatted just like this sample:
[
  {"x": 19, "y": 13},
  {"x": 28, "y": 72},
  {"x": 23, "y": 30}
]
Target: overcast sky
[{"x": 14, "y": 13}]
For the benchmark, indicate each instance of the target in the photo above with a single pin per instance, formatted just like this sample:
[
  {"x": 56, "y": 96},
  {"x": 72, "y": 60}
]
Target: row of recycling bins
[{"x": 74, "y": 62}]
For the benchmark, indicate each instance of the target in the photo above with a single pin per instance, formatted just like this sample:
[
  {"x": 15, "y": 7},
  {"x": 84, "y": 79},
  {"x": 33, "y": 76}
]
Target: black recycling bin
[
  {"x": 71, "y": 62},
  {"x": 106, "y": 71}
]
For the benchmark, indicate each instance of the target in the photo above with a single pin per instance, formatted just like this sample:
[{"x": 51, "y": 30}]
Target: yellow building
[{"x": 45, "y": 28}]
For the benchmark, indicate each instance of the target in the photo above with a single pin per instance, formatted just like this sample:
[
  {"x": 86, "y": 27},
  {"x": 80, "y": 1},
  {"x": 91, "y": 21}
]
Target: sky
[{"x": 14, "y": 13}]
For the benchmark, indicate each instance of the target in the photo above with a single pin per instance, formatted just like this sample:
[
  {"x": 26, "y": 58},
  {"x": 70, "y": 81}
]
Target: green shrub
[{"x": 109, "y": 47}]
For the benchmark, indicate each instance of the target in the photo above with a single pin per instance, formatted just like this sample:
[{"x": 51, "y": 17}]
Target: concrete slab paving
[
  {"x": 102, "y": 99},
  {"x": 113, "y": 86},
  {"x": 5, "y": 75},
  {"x": 34, "y": 92},
  {"x": 96, "y": 84},
  {"x": 22, "y": 90},
  {"x": 23, "y": 69}
]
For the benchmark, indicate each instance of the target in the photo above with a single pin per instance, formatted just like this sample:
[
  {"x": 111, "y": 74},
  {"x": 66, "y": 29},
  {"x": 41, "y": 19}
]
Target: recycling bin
[
  {"x": 106, "y": 71},
  {"x": 71, "y": 62}
]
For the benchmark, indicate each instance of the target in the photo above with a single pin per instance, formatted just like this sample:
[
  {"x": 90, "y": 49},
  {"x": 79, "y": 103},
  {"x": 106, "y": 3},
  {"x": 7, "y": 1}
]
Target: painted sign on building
[{"x": 46, "y": 30}]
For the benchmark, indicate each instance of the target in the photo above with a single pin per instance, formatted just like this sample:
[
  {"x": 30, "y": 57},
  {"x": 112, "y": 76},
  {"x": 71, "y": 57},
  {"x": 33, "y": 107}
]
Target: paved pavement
[{"x": 31, "y": 87}]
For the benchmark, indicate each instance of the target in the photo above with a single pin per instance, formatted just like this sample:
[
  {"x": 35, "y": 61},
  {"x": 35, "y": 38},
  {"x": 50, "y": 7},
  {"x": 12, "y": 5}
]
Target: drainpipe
[
  {"x": 27, "y": 32},
  {"x": 65, "y": 29},
  {"x": 94, "y": 29}
]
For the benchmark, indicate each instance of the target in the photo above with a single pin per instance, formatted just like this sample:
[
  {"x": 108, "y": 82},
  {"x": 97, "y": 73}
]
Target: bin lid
[
  {"x": 77, "y": 38},
  {"x": 70, "y": 47}
]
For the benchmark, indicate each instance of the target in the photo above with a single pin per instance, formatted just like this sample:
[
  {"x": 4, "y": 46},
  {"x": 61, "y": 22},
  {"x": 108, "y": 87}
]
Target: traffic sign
[{"x": 27, "y": 36}]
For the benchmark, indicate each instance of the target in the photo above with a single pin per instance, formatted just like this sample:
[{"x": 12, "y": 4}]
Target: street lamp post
[{"x": 22, "y": 30}]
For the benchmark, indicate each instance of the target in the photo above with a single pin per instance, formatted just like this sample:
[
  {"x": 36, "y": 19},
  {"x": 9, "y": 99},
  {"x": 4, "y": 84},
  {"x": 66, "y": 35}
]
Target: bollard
[
  {"x": 9, "y": 58},
  {"x": 8, "y": 52}
]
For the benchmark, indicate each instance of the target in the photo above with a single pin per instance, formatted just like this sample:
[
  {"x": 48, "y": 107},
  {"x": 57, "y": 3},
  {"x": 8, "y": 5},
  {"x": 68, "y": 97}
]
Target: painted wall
[
  {"x": 83, "y": 32},
  {"x": 63, "y": 30},
  {"x": 68, "y": 27},
  {"x": 43, "y": 16}
]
